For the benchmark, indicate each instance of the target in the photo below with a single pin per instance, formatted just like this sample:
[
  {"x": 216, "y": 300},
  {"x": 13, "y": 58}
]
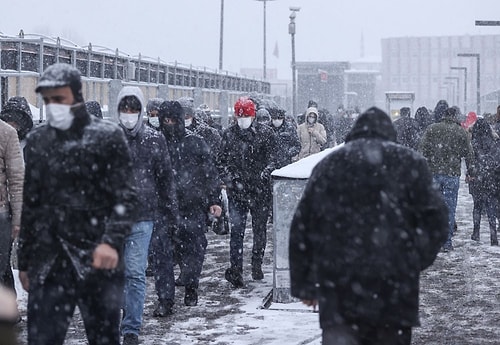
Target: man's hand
[
  {"x": 104, "y": 257},
  {"x": 25, "y": 282},
  {"x": 215, "y": 210},
  {"x": 15, "y": 231}
]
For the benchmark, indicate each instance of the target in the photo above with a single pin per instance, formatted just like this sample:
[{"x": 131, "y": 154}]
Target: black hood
[
  {"x": 172, "y": 110},
  {"x": 373, "y": 123},
  {"x": 18, "y": 110}
]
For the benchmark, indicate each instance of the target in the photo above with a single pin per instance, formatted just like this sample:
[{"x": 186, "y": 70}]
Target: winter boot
[
  {"x": 164, "y": 308},
  {"x": 234, "y": 276},
  {"x": 130, "y": 339},
  {"x": 475, "y": 235},
  {"x": 191, "y": 297},
  {"x": 257, "y": 271},
  {"x": 493, "y": 235}
]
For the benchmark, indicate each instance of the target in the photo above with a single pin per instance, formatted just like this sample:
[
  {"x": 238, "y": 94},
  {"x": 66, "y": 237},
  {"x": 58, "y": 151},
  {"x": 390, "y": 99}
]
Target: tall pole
[
  {"x": 221, "y": 39},
  {"x": 291, "y": 31},
  {"x": 465, "y": 84},
  {"x": 478, "y": 67},
  {"x": 264, "y": 68}
]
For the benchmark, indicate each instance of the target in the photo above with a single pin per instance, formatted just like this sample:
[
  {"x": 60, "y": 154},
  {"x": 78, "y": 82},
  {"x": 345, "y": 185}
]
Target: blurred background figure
[{"x": 94, "y": 108}]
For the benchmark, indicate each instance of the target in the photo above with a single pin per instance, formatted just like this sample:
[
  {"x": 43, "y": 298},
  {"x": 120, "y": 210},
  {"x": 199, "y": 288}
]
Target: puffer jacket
[
  {"x": 11, "y": 173},
  {"x": 311, "y": 142}
]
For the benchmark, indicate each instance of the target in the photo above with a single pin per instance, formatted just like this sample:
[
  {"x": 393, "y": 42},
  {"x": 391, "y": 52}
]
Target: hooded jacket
[
  {"x": 18, "y": 110},
  {"x": 152, "y": 168},
  {"x": 77, "y": 194},
  {"x": 368, "y": 223},
  {"x": 311, "y": 142},
  {"x": 195, "y": 175}
]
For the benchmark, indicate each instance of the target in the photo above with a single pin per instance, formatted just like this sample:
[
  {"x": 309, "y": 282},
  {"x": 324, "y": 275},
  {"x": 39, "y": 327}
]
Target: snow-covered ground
[{"x": 460, "y": 300}]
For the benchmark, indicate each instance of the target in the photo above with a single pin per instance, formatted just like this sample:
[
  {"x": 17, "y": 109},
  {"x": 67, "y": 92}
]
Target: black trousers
[
  {"x": 366, "y": 335},
  {"x": 51, "y": 305}
]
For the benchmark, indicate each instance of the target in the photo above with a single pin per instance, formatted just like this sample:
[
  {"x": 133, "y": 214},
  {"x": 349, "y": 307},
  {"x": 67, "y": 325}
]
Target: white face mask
[
  {"x": 129, "y": 120},
  {"x": 59, "y": 116},
  {"x": 277, "y": 123},
  {"x": 154, "y": 121},
  {"x": 188, "y": 122},
  {"x": 244, "y": 122},
  {"x": 311, "y": 119}
]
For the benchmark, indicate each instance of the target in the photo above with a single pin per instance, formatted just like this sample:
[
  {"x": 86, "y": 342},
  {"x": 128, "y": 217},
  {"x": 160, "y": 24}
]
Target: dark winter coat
[
  {"x": 195, "y": 174},
  {"x": 78, "y": 193},
  {"x": 444, "y": 144},
  {"x": 407, "y": 132},
  {"x": 368, "y": 223},
  {"x": 287, "y": 143},
  {"x": 485, "y": 179},
  {"x": 211, "y": 136},
  {"x": 152, "y": 169},
  {"x": 246, "y": 160}
]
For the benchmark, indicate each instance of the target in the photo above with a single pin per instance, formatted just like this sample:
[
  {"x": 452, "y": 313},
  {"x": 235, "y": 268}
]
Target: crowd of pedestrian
[{"x": 96, "y": 205}]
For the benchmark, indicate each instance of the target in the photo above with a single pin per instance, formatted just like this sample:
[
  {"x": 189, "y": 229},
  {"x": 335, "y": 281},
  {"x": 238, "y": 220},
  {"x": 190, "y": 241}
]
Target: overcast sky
[{"x": 187, "y": 31}]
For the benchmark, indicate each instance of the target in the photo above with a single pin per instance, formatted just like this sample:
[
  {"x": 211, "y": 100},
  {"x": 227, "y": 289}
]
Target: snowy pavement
[{"x": 460, "y": 300}]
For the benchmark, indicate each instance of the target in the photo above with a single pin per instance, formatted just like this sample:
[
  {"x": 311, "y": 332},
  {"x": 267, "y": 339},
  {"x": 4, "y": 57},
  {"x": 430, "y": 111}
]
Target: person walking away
[
  {"x": 484, "y": 183},
  {"x": 198, "y": 189},
  {"x": 368, "y": 223},
  {"x": 406, "y": 129},
  {"x": 153, "y": 179},
  {"x": 312, "y": 134},
  {"x": 246, "y": 160},
  {"x": 445, "y": 144},
  {"x": 79, "y": 204}
]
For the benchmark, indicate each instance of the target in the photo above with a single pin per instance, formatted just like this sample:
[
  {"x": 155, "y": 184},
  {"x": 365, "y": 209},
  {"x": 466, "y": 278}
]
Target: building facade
[{"x": 422, "y": 65}]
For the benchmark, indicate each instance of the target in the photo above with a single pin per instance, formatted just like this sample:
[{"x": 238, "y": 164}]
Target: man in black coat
[
  {"x": 198, "y": 189},
  {"x": 287, "y": 140},
  {"x": 155, "y": 185},
  {"x": 368, "y": 223},
  {"x": 78, "y": 206},
  {"x": 406, "y": 129},
  {"x": 246, "y": 161}
]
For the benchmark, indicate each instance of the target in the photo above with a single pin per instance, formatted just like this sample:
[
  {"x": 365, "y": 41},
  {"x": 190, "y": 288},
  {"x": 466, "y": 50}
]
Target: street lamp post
[
  {"x": 457, "y": 79},
  {"x": 264, "y": 72},
  {"x": 221, "y": 39},
  {"x": 478, "y": 60},
  {"x": 465, "y": 84},
  {"x": 291, "y": 31}
]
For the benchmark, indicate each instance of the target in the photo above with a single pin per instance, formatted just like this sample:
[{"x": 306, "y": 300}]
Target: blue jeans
[
  {"x": 448, "y": 186},
  {"x": 136, "y": 260}
]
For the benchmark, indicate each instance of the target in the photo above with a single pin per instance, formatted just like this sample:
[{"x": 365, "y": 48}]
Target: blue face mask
[{"x": 154, "y": 121}]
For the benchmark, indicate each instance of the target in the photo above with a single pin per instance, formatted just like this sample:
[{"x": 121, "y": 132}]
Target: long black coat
[
  {"x": 195, "y": 174},
  {"x": 78, "y": 193},
  {"x": 407, "y": 132},
  {"x": 368, "y": 223},
  {"x": 246, "y": 161}
]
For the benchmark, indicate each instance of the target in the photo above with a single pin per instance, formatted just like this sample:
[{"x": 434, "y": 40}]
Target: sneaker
[
  {"x": 191, "y": 297},
  {"x": 257, "y": 272},
  {"x": 130, "y": 339},
  {"x": 234, "y": 276},
  {"x": 164, "y": 308}
]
